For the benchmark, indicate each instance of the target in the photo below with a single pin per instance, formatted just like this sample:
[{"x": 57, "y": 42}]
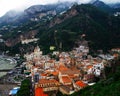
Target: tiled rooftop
[
  {"x": 81, "y": 84},
  {"x": 66, "y": 79},
  {"x": 39, "y": 92}
]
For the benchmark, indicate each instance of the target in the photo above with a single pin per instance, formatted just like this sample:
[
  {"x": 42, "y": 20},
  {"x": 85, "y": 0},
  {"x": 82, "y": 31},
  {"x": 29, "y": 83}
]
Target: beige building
[{"x": 48, "y": 84}]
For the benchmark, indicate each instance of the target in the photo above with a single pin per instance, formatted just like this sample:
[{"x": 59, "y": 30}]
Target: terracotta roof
[
  {"x": 62, "y": 68},
  {"x": 95, "y": 60},
  {"x": 43, "y": 74},
  {"x": 43, "y": 81},
  {"x": 35, "y": 60},
  {"x": 34, "y": 67},
  {"x": 70, "y": 72},
  {"x": 72, "y": 76},
  {"x": 39, "y": 92},
  {"x": 81, "y": 84},
  {"x": 55, "y": 73},
  {"x": 89, "y": 66},
  {"x": 51, "y": 61},
  {"x": 48, "y": 83},
  {"x": 66, "y": 79},
  {"x": 115, "y": 55}
]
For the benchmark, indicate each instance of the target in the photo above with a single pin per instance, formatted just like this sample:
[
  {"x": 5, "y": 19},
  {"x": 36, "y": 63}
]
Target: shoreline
[{"x": 11, "y": 60}]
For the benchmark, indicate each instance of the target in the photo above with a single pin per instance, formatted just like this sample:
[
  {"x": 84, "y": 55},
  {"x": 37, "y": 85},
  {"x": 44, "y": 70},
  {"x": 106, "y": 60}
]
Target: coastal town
[
  {"x": 60, "y": 48},
  {"x": 67, "y": 72}
]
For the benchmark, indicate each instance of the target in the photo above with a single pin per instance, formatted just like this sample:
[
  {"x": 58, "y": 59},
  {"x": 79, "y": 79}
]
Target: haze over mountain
[
  {"x": 7, "y": 5},
  {"x": 35, "y": 11},
  {"x": 16, "y": 17}
]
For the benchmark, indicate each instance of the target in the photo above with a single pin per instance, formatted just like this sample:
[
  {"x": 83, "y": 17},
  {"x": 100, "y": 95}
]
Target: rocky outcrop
[
  {"x": 27, "y": 35},
  {"x": 71, "y": 13}
]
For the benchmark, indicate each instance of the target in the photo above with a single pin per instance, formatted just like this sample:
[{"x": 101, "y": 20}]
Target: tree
[{"x": 24, "y": 88}]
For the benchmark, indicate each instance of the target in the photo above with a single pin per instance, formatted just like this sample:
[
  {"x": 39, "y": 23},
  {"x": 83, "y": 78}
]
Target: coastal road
[{"x": 5, "y": 88}]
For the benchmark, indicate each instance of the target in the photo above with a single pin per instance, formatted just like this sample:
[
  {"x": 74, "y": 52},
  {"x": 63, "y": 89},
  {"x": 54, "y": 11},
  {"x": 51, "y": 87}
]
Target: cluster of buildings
[
  {"x": 73, "y": 71},
  {"x": 117, "y": 14},
  {"x": 29, "y": 40}
]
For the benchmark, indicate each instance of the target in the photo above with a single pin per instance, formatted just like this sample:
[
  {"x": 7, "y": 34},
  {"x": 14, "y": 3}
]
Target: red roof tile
[
  {"x": 62, "y": 68},
  {"x": 43, "y": 74},
  {"x": 89, "y": 66},
  {"x": 66, "y": 79},
  {"x": 47, "y": 81},
  {"x": 39, "y": 92},
  {"x": 55, "y": 73},
  {"x": 81, "y": 84},
  {"x": 115, "y": 55}
]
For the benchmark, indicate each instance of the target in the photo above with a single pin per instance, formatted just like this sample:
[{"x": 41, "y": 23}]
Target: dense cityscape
[{"x": 66, "y": 72}]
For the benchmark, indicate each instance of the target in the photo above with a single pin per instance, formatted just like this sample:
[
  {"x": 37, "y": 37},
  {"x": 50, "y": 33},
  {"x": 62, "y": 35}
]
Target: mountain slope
[
  {"x": 116, "y": 5},
  {"x": 101, "y": 29},
  {"x": 104, "y": 7},
  {"x": 34, "y": 13},
  {"x": 10, "y": 17}
]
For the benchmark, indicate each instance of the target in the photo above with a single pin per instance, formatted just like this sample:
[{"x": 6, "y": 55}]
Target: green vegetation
[
  {"x": 25, "y": 88},
  {"x": 101, "y": 29}
]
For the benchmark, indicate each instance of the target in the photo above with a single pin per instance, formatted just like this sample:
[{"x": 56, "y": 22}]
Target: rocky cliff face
[
  {"x": 63, "y": 17},
  {"x": 13, "y": 41},
  {"x": 36, "y": 11}
]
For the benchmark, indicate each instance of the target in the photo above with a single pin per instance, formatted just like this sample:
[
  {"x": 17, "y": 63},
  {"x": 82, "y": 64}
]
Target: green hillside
[{"x": 101, "y": 29}]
